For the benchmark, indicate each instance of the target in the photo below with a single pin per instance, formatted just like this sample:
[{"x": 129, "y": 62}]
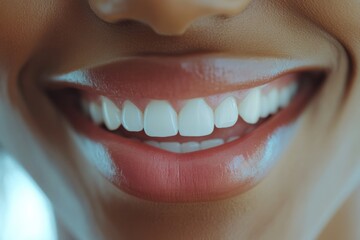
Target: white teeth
[
  {"x": 171, "y": 146},
  {"x": 186, "y": 147},
  {"x": 190, "y": 147},
  {"x": 249, "y": 108},
  {"x": 160, "y": 119},
  {"x": 196, "y": 118},
  {"x": 111, "y": 114},
  {"x": 287, "y": 93},
  {"x": 211, "y": 143},
  {"x": 95, "y": 112},
  {"x": 284, "y": 97},
  {"x": 226, "y": 114},
  {"x": 264, "y": 111},
  {"x": 132, "y": 117},
  {"x": 273, "y": 100}
]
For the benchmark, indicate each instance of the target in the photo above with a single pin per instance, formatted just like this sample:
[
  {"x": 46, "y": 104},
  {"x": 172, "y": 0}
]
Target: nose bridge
[{"x": 166, "y": 17}]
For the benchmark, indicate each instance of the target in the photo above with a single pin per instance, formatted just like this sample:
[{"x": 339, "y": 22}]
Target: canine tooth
[
  {"x": 196, "y": 118},
  {"x": 226, "y": 114},
  {"x": 264, "y": 109},
  {"x": 153, "y": 143},
  {"x": 132, "y": 117},
  {"x": 249, "y": 108},
  {"x": 95, "y": 112},
  {"x": 273, "y": 98},
  {"x": 211, "y": 143},
  {"x": 190, "y": 147},
  {"x": 111, "y": 114},
  {"x": 284, "y": 97},
  {"x": 160, "y": 119},
  {"x": 171, "y": 146}
]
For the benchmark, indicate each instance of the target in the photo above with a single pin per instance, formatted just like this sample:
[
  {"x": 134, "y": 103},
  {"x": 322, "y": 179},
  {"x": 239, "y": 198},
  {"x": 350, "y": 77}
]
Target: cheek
[
  {"x": 23, "y": 24},
  {"x": 338, "y": 18}
]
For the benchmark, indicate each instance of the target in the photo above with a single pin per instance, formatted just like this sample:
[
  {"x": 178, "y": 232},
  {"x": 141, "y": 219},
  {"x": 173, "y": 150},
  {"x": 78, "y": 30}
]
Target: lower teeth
[{"x": 188, "y": 147}]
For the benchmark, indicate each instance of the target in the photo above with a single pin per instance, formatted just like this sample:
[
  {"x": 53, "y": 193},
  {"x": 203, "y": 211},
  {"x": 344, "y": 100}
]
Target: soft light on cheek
[
  {"x": 276, "y": 144},
  {"x": 97, "y": 155},
  {"x": 243, "y": 167}
]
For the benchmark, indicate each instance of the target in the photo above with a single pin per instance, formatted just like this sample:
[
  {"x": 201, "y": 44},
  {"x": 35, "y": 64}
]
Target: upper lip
[{"x": 180, "y": 77}]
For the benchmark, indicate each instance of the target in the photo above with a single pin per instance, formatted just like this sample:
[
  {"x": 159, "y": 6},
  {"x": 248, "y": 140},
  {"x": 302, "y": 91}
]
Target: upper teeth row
[{"x": 196, "y": 118}]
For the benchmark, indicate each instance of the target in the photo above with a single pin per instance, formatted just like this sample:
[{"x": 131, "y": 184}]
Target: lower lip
[{"x": 221, "y": 172}]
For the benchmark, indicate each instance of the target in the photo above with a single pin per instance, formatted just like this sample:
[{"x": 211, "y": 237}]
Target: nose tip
[{"x": 165, "y": 17}]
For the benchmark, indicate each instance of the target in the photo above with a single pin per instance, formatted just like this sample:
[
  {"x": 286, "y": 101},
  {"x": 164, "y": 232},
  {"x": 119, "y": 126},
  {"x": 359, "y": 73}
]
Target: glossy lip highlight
[
  {"x": 157, "y": 175},
  {"x": 180, "y": 77}
]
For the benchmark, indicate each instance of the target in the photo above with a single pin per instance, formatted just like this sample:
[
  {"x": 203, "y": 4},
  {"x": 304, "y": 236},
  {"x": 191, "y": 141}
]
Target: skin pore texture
[{"x": 317, "y": 175}]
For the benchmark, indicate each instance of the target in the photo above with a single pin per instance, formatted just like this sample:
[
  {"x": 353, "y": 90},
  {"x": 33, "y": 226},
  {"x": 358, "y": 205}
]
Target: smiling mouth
[{"x": 190, "y": 128}]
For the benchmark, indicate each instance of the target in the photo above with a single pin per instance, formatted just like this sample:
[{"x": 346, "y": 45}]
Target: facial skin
[{"x": 315, "y": 175}]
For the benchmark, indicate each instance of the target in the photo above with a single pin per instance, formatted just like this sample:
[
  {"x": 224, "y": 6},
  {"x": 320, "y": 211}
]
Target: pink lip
[
  {"x": 212, "y": 174},
  {"x": 180, "y": 77}
]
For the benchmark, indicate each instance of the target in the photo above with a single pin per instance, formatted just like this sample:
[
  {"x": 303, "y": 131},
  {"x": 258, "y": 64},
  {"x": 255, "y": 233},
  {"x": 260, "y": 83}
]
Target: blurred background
[{"x": 25, "y": 213}]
